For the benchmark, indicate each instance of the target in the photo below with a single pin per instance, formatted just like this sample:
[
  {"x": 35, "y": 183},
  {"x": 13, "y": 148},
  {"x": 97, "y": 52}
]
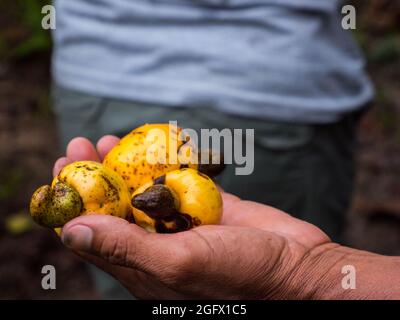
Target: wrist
[{"x": 332, "y": 271}]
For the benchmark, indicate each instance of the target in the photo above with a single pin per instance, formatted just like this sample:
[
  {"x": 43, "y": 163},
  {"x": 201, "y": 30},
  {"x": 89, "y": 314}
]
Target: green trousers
[{"x": 304, "y": 169}]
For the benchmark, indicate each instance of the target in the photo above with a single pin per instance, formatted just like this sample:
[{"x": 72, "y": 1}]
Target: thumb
[{"x": 120, "y": 243}]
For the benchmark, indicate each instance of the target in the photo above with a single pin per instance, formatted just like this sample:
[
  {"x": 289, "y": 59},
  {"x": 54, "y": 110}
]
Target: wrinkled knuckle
[{"x": 115, "y": 250}]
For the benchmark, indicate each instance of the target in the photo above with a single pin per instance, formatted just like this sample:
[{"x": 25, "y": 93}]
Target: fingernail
[{"x": 78, "y": 237}]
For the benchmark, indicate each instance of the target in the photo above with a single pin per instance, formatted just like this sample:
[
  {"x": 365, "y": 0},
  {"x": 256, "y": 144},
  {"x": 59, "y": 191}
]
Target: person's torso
[{"x": 272, "y": 58}]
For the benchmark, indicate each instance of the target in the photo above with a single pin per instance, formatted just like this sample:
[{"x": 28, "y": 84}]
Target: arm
[{"x": 376, "y": 276}]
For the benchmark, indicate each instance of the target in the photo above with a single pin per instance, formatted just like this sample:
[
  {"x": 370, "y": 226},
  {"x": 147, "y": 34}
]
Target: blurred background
[{"x": 28, "y": 148}]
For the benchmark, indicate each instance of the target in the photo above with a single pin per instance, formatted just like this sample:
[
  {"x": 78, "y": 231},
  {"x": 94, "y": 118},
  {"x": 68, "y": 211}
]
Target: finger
[
  {"x": 120, "y": 243},
  {"x": 229, "y": 201},
  {"x": 260, "y": 216},
  {"x": 80, "y": 149},
  {"x": 105, "y": 144},
  {"x": 60, "y": 163}
]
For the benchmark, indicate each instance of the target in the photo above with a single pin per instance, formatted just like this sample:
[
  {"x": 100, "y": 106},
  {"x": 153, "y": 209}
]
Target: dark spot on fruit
[{"x": 113, "y": 191}]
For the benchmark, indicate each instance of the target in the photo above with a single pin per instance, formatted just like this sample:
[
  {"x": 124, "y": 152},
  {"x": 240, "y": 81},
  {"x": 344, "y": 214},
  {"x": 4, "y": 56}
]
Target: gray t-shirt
[{"x": 287, "y": 60}]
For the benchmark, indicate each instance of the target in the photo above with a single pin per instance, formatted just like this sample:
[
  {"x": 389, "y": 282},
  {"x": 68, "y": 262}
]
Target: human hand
[
  {"x": 257, "y": 252},
  {"x": 253, "y": 254}
]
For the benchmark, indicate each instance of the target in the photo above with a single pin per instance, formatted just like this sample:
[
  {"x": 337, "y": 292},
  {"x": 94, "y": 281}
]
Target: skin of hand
[{"x": 258, "y": 252}]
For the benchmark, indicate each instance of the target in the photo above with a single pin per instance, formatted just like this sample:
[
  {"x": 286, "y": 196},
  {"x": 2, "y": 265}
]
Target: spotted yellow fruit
[
  {"x": 178, "y": 201},
  {"x": 144, "y": 154},
  {"x": 153, "y": 150},
  {"x": 81, "y": 188}
]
